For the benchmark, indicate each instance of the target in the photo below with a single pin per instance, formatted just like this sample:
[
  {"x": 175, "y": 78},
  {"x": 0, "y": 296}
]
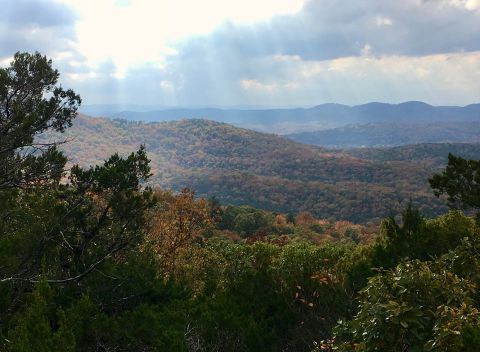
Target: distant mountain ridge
[
  {"x": 285, "y": 121},
  {"x": 241, "y": 166},
  {"x": 392, "y": 134},
  {"x": 370, "y": 112}
]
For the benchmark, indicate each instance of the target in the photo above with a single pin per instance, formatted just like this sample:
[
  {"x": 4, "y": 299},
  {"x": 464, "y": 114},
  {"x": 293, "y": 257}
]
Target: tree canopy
[
  {"x": 460, "y": 181},
  {"x": 92, "y": 259},
  {"x": 32, "y": 102}
]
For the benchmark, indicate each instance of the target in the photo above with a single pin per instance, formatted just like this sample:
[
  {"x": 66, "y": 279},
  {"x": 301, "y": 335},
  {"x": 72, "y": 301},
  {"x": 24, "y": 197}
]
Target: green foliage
[
  {"x": 456, "y": 329},
  {"x": 246, "y": 220},
  {"x": 31, "y": 103},
  {"x": 266, "y": 297},
  {"x": 418, "y": 305},
  {"x": 80, "y": 268},
  {"x": 398, "y": 308},
  {"x": 74, "y": 228},
  {"x": 115, "y": 175},
  {"x": 41, "y": 325},
  {"x": 460, "y": 182}
]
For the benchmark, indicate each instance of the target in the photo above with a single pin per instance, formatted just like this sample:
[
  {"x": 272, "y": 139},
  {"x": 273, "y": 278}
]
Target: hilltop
[
  {"x": 297, "y": 120},
  {"x": 241, "y": 166}
]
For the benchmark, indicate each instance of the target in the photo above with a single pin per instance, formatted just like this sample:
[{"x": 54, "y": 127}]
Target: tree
[
  {"x": 58, "y": 232},
  {"x": 72, "y": 276},
  {"x": 32, "y": 328},
  {"x": 178, "y": 220},
  {"x": 66, "y": 232},
  {"x": 460, "y": 181},
  {"x": 32, "y": 103},
  {"x": 399, "y": 309}
]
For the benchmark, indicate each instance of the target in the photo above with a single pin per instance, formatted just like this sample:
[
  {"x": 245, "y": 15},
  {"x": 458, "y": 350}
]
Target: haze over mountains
[{"x": 330, "y": 125}]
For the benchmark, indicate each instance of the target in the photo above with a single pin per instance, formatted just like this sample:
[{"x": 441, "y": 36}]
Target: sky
[{"x": 253, "y": 52}]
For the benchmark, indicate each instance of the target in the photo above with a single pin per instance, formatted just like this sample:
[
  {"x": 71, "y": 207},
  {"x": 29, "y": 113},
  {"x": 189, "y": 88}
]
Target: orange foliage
[
  {"x": 304, "y": 219},
  {"x": 178, "y": 221}
]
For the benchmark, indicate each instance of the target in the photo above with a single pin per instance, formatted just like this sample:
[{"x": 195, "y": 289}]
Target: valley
[{"x": 240, "y": 166}]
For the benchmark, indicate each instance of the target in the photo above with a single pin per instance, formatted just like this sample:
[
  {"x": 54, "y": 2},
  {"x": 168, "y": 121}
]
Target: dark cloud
[
  {"x": 327, "y": 29},
  {"x": 42, "y": 25},
  {"x": 210, "y": 69},
  {"x": 286, "y": 60},
  {"x": 38, "y": 13}
]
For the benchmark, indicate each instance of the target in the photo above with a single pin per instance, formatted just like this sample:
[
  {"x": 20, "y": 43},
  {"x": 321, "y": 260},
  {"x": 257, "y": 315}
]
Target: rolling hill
[
  {"x": 325, "y": 116},
  {"x": 391, "y": 134},
  {"x": 241, "y": 166},
  {"x": 432, "y": 154}
]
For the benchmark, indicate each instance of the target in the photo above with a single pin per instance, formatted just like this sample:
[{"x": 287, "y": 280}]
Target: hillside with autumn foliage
[
  {"x": 102, "y": 258},
  {"x": 240, "y": 166}
]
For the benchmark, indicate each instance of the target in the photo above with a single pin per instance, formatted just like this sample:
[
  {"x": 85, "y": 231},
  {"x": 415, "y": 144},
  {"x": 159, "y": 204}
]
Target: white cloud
[
  {"x": 441, "y": 79},
  {"x": 366, "y": 50},
  {"x": 472, "y": 5},
  {"x": 438, "y": 79},
  {"x": 144, "y": 31},
  {"x": 383, "y": 21},
  {"x": 5, "y": 61},
  {"x": 167, "y": 86},
  {"x": 257, "y": 86},
  {"x": 242, "y": 52}
]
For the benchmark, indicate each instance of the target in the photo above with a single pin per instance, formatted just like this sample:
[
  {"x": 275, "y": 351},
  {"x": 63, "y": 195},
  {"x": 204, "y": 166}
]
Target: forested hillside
[
  {"x": 392, "y": 134},
  {"x": 93, "y": 259},
  {"x": 320, "y": 117},
  {"x": 428, "y": 153},
  {"x": 241, "y": 166}
]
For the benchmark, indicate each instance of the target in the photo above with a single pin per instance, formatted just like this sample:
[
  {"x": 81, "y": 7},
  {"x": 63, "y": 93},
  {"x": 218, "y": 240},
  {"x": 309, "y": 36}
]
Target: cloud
[
  {"x": 326, "y": 30},
  {"x": 467, "y": 4},
  {"x": 441, "y": 79},
  {"x": 42, "y": 25},
  {"x": 383, "y": 21},
  {"x": 369, "y": 50},
  {"x": 256, "y": 86},
  {"x": 37, "y": 13},
  {"x": 355, "y": 80},
  {"x": 324, "y": 51}
]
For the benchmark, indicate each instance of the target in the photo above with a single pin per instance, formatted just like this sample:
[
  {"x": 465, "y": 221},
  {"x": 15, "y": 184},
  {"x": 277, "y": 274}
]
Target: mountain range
[
  {"x": 295, "y": 120},
  {"x": 330, "y": 125}
]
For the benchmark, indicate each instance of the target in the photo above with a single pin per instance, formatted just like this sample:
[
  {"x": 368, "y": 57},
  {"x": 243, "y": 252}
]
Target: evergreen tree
[{"x": 460, "y": 181}]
